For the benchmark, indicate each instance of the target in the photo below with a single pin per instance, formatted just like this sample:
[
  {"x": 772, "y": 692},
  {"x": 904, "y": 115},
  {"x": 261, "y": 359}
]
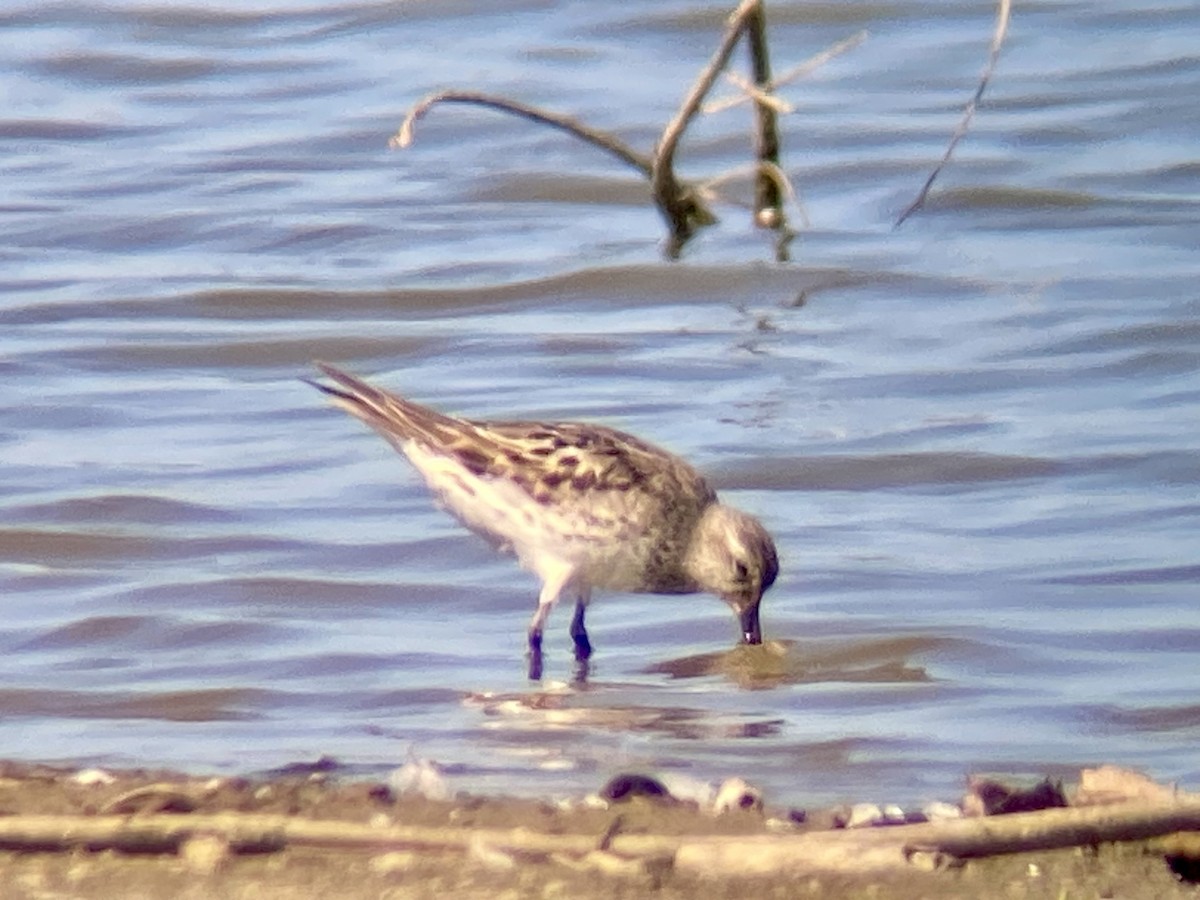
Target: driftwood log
[{"x": 927, "y": 845}]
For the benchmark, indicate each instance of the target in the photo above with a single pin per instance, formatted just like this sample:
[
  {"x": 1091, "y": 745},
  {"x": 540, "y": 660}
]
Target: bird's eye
[{"x": 741, "y": 571}]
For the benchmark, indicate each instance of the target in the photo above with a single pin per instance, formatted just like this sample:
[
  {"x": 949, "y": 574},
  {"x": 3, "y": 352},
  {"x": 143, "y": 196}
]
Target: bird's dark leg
[
  {"x": 546, "y": 600},
  {"x": 554, "y": 582},
  {"x": 583, "y": 647},
  {"x": 535, "y": 654}
]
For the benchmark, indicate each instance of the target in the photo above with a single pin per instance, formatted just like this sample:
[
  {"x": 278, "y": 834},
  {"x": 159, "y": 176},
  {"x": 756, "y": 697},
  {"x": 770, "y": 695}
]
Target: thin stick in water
[{"x": 1003, "y": 14}]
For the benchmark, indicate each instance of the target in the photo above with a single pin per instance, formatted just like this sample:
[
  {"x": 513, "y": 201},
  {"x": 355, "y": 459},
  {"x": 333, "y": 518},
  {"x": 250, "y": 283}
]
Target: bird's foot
[
  {"x": 535, "y": 656},
  {"x": 583, "y": 652},
  {"x": 583, "y": 669}
]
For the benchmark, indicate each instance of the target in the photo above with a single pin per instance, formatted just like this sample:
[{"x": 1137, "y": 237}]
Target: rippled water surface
[{"x": 974, "y": 437}]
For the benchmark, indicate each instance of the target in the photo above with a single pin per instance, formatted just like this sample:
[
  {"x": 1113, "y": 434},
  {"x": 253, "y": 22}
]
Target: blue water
[{"x": 974, "y": 437}]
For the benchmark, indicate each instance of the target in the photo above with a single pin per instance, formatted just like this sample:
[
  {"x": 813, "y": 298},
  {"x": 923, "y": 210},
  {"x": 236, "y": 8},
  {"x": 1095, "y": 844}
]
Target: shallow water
[{"x": 973, "y": 437}]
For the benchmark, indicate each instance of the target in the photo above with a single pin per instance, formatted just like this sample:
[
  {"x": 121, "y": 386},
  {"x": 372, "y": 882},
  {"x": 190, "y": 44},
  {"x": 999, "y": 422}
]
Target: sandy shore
[{"x": 311, "y": 834}]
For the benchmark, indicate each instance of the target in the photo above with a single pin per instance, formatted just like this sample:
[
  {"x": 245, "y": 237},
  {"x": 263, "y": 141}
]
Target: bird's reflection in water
[{"x": 565, "y": 708}]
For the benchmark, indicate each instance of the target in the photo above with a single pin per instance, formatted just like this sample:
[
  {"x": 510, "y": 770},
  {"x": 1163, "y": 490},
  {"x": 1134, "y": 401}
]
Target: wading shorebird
[{"x": 581, "y": 506}]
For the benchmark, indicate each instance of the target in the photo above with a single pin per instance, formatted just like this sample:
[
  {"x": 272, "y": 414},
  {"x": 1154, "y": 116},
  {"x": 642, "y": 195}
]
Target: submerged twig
[
  {"x": 762, "y": 170},
  {"x": 602, "y": 139},
  {"x": 749, "y": 92},
  {"x": 809, "y": 65},
  {"x": 682, "y": 204},
  {"x": 768, "y": 199},
  {"x": 1003, "y": 13},
  {"x": 682, "y": 207}
]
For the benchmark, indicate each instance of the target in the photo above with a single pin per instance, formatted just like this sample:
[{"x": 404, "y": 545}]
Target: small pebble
[
  {"x": 894, "y": 815},
  {"x": 595, "y": 801},
  {"x": 92, "y": 777},
  {"x": 422, "y": 777},
  {"x": 939, "y": 810},
  {"x": 863, "y": 815},
  {"x": 735, "y": 793}
]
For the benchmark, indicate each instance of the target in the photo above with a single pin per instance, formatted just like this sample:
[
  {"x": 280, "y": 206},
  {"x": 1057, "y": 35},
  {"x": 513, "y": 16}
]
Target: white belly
[{"x": 601, "y": 548}]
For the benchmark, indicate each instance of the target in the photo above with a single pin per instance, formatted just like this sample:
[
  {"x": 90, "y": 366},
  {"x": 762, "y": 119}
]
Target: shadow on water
[{"x": 777, "y": 663}]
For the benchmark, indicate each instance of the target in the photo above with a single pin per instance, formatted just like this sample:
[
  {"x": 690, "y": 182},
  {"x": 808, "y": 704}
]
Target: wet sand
[{"x": 307, "y": 833}]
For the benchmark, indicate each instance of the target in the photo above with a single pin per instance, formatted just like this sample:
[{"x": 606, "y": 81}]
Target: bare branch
[
  {"x": 681, "y": 207},
  {"x": 749, "y": 92},
  {"x": 807, "y": 67},
  {"x": 605, "y": 141},
  {"x": 768, "y": 199},
  {"x": 682, "y": 204},
  {"x": 813, "y": 63},
  {"x": 765, "y": 169}
]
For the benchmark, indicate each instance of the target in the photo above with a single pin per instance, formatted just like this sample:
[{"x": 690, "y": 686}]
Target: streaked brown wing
[
  {"x": 545, "y": 460},
  {"x": 592, "y": 458}
]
